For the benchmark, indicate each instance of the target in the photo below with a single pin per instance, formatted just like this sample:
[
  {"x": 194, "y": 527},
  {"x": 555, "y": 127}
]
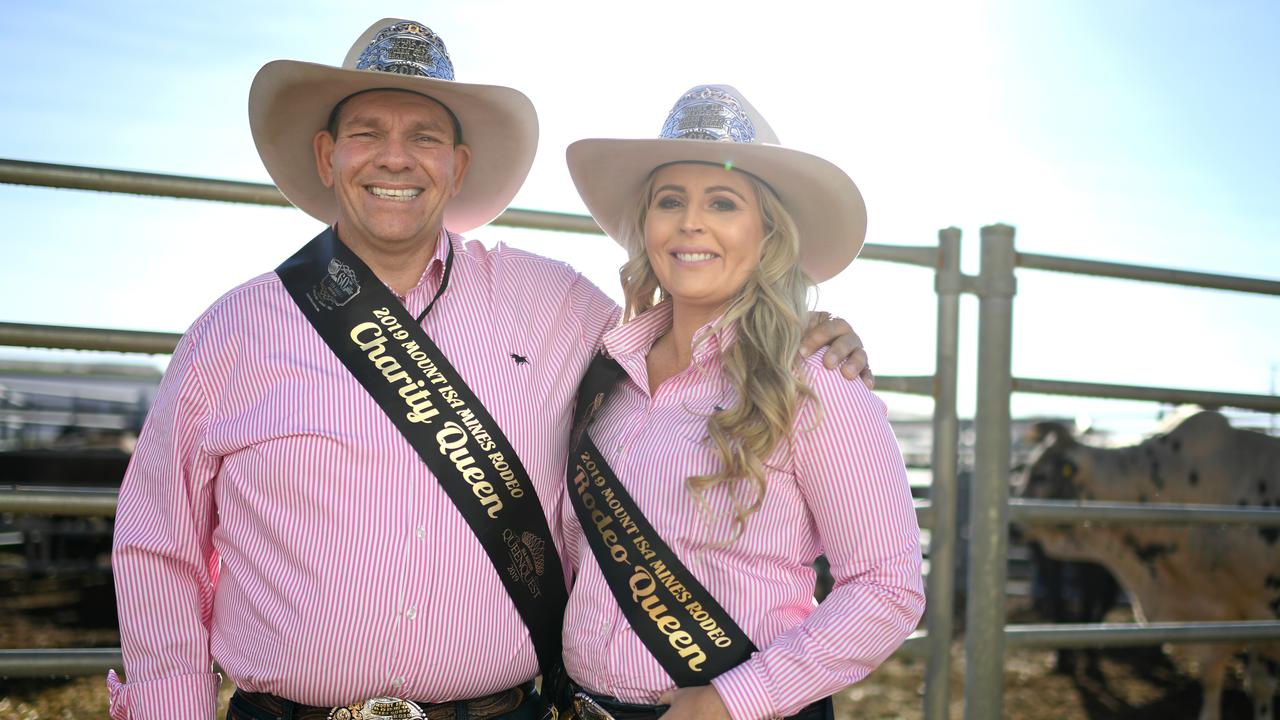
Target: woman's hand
[
  {"x": 694, "y": 703},
  {"x": 844, "y": 347}
]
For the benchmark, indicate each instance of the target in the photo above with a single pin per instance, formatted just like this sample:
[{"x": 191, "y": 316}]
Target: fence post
[
  {"x": 942, "y": 491},
  {"x": 989, "y": 501}
]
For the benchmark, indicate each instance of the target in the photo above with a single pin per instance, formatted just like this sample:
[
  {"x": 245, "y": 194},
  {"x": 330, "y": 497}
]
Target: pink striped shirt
[
  {"x": 342, "y": 570},
  {"x": 838, "y": 487}
]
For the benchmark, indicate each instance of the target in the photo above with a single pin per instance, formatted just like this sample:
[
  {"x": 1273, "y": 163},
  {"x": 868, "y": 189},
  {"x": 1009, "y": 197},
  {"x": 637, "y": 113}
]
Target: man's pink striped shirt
[
  {"x": 342, "y": 570},
  {"x": 838, "y": 487}
]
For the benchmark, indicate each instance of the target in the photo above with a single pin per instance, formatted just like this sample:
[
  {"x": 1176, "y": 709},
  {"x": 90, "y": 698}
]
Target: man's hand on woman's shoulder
[{"x": 844, "y": 347}]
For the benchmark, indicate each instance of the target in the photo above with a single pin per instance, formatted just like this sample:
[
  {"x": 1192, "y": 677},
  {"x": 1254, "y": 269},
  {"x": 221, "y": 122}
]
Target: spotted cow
[{"x": 1176, "y": 573}]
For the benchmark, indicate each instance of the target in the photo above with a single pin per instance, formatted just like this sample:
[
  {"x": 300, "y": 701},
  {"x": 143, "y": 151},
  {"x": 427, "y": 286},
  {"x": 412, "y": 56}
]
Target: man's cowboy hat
[
  {"x": 289, "y": 101},
  {"x": 715, "y": 124}
]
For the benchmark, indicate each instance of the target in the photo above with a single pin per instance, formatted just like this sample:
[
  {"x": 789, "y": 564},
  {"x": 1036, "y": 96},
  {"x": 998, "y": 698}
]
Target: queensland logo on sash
[
  {"x": 528, "y": 559},
  {"x": 335, "y": 289}
]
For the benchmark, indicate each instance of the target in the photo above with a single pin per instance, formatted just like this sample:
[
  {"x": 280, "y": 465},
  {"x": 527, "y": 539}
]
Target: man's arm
[
  {"x": 163, "y": 559},
  {"x": 844, "y": 347}
]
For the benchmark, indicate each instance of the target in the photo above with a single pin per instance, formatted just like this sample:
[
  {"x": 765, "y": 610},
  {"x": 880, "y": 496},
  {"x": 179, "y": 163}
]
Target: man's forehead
[
  {"x": 364, "y": 106},
  {"x": 366, "y": 101}
]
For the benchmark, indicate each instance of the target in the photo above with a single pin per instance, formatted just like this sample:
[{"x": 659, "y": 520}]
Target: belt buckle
[
  {"x": 586, "y": 708},
  {"x": 379, "y": 708}
]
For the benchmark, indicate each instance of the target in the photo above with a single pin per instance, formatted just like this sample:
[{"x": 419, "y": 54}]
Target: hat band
[
  {"x": 708, "y": 113},
  {"x": 407, "y": 48}
]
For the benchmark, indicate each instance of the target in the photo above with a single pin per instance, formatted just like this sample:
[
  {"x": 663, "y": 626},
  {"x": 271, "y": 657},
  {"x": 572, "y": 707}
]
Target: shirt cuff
[
  {"x": 744, "y": 694},
  {"x": 185, "y": 696}
]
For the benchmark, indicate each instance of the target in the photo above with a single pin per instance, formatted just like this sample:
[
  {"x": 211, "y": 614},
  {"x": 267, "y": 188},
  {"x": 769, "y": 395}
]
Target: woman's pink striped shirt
[{"x": 838, "y": 487}]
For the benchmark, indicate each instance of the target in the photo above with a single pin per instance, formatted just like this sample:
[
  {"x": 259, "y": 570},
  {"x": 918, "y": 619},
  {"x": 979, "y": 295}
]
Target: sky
[{"x": 1139, "y": 132}]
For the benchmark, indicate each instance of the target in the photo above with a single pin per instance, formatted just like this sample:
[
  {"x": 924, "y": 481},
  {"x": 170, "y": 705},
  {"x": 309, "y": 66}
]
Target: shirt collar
[
  {"x": 434, "y": 270},
  {"x": 712, "y": 339},
  {"x": 637, "y": 336}
]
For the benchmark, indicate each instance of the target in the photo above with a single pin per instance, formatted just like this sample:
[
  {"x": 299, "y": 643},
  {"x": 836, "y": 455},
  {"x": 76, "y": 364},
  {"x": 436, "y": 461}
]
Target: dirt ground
[{"x": 1137, "y": 683}]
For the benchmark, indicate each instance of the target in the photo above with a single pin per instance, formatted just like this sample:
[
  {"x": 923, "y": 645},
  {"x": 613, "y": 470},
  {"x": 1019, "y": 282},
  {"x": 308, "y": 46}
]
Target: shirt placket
[
  {"x": 620, "y": 638},
  {"x": 646, "y": 438},
  {"x": 412, "y": 601}
]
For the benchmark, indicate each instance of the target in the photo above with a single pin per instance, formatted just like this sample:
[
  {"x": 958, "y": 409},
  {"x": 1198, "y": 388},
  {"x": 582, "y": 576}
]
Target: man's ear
[
  {"x": 323, "y": 146},
  {"x": 461, "y": 162}
]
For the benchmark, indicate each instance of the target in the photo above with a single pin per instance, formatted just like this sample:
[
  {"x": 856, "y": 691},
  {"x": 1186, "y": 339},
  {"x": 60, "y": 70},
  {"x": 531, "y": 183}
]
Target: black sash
[
  {"x": 387, "y": 350},
  {"x": 681, "y": 624}
]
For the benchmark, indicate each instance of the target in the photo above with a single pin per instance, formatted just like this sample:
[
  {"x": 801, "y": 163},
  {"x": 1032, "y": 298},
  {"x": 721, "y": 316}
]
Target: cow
[{"x": 1175, "y": 573}]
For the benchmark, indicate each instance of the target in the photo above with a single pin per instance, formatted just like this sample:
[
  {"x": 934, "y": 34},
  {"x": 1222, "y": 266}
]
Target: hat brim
[
  {"x": 826, "y": 205},
  {"x": 290, "y": 101}
]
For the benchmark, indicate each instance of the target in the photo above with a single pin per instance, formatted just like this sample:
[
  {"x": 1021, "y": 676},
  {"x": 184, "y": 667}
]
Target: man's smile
[{"x": 398, "y": 194}]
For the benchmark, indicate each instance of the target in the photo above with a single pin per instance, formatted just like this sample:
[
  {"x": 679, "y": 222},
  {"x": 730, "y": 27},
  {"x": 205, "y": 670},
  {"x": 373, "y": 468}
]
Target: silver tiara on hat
[
  {"x": 709, "y": 113},
  {"x": 407, "y": 48}
]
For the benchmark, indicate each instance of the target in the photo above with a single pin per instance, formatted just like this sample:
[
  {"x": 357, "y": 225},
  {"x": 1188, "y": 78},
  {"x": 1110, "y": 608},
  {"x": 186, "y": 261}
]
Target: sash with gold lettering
[
  {"x": 676, "y": 618},
  {"x": 387, "y": 350}
]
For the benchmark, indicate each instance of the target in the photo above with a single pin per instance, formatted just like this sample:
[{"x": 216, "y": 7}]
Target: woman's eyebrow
[{"x": 725, "y": 188}]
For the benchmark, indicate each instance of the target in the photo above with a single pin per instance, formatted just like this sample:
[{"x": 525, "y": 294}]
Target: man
[{"x": 346, "y": 490}]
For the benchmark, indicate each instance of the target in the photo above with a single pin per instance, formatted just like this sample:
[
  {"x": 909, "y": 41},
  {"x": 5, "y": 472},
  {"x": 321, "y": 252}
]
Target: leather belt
[
  {"x": 264, "y": 706},
  {"x": 589, "y": 707},
  {"x": 584, "y": 705}
]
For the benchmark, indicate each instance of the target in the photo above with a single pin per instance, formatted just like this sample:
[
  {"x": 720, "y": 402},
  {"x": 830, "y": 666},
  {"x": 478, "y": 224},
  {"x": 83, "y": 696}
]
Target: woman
[{"x": 719, "y": 464}]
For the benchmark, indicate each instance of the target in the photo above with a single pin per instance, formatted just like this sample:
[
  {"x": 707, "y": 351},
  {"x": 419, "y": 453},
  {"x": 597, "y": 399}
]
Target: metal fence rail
[
  {"x": 944, "y": 491},
  {"x": 101, "y": 502},
  {"x": 988, "y": 501},
  {"x": 79, "y": 177},
  {"x": 83, "y": 502},
  {"x": 1168, "y": 276},
  {"x": 1082, "y": 635},
  {"x": 97, "y": 661},
  {"x": 55, "y": 662},
  {"x": 62, "y": 337},
  {"x": 1176, "y": 396},
  {"x": 1063, "y": 511}
]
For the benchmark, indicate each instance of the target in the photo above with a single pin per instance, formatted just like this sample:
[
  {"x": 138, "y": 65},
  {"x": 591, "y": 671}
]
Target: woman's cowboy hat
[
  {"x": 289, "y": 101},
  {"x": 715, "y": 124}
]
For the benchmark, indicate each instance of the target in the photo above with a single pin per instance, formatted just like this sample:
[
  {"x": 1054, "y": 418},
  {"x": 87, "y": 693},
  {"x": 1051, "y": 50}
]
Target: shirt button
[
  {"x": 411, "y": 613},
  {"x": 421, "y": 533},
  {"x": 397, "y": 681}
]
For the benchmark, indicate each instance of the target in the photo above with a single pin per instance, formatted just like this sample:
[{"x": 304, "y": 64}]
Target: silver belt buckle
[
  {"x": 586, "y": 708},
  {"x": 379, "y": 708}
]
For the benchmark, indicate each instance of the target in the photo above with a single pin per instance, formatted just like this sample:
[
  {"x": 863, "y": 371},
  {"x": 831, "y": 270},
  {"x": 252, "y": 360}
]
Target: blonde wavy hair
[{"x": 769, "y": 315}]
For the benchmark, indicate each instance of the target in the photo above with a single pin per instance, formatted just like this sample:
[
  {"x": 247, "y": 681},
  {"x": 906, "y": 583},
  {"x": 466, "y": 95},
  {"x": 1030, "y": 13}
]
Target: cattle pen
[{"x": 987, "y": 634}]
